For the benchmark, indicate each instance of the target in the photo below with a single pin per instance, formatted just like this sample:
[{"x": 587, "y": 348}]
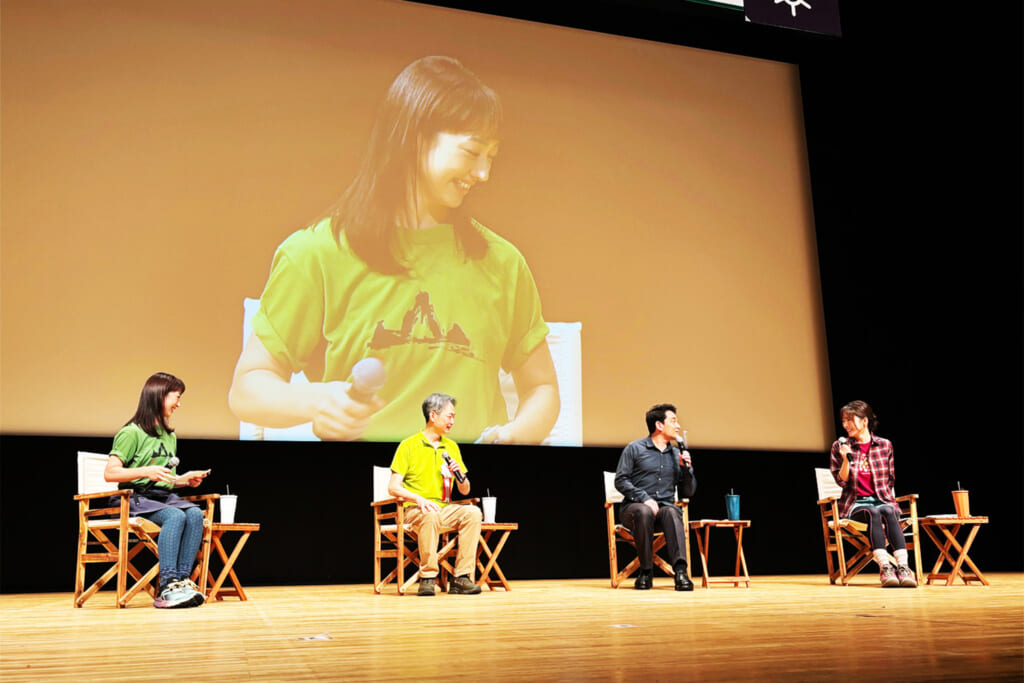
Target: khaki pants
[{"x": 430, "y": 525}]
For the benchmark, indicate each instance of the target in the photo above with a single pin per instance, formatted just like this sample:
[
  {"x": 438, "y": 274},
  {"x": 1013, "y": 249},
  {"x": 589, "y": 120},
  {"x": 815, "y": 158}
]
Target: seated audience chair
[
  {"x": 108, "y": 535},
  {"x": 843, "y": 563},
  {"x": 620, "y": 534}
]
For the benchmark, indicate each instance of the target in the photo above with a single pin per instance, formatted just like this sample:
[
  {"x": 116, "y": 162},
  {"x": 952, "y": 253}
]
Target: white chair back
[
  {"x": 611, "y": 494},
  {"x": 251, "y": 432},
  {"x": 567, "y": 355},
  {"x": 827, "y": 486},
  {"x": 381, "y": 476},
  {"x": 90, "y": 473}
]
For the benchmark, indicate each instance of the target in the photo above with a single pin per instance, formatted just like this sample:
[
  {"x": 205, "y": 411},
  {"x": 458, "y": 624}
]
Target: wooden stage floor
[{"x": 783, "y": 628}]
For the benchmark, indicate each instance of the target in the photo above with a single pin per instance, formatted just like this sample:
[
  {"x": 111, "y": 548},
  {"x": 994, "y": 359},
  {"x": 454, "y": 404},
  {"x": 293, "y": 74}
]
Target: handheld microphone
[
  {"x": 458, "y": 473},
  {"x": 170, "y": 464},
  {"x": 368, "y": 377},
  {"x": 684, "y": 451},
  {"x": 844, "y": 442}
]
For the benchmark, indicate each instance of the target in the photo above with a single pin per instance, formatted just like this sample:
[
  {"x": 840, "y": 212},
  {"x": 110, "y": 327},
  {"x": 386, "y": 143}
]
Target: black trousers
[
  {"x": 639, "y": 519},
  {"x": 882, "y": 521}
]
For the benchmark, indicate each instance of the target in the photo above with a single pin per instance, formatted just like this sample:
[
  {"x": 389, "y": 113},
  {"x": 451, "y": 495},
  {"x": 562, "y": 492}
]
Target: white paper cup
[
  {"x": 227, "y": 508},
  {"x": 490, "y": 504}
]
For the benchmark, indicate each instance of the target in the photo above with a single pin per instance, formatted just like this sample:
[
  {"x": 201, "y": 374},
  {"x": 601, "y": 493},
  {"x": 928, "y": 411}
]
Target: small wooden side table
[
  {"x": 704, "y": 545},
  {"x": 949, "y": 527},
  {"x": 487, "y": 529},
  {"x": 227, "y": 571}
]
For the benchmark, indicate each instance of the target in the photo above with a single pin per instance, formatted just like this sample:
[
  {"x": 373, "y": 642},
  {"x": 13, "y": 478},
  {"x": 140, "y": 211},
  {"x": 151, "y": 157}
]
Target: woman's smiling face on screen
[{"x": 452, "y": 165}]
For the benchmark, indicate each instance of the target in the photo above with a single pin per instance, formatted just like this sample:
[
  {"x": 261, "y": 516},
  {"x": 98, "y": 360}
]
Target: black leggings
[{"x": 877, "y": 516}]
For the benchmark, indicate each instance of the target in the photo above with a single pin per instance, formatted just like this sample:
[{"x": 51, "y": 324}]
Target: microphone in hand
[
  {"x": 458, "y": 473},
  {"x": 844, "y": 442},
  {"x": 684, "y": 453},
  {"x": 170, "y": 464},
  {"x": 368, "y": 377}
]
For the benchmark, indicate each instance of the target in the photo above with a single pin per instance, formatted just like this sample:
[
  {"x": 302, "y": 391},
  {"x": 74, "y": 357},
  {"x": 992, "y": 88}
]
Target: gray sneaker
[
  {"x": 463, "y": 585},
  {"x": 178, "y": 594},
  {"x": 906, "y": 577},
  {"x": 427, "y": 586},
  {"x": 888, "y": 576}
]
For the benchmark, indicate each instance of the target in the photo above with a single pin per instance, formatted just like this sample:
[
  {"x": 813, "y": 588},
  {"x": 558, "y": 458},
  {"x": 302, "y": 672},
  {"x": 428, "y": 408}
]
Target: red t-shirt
[{"x": 862, "y": 470}]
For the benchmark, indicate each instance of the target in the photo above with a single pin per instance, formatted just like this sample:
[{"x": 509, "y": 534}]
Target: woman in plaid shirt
[{"x": 863, "y": 468}]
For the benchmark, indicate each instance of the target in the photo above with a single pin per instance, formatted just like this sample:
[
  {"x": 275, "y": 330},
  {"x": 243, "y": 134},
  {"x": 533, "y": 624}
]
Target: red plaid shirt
[{"x": 883, "y": 477}]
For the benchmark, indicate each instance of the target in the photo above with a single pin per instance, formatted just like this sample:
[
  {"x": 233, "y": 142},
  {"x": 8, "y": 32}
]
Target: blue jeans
[{"x": 181, "y": 533}]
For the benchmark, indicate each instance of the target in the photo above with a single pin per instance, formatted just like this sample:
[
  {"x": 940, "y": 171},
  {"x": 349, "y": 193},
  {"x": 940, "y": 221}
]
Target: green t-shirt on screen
[{"x": 446, "y": 326}]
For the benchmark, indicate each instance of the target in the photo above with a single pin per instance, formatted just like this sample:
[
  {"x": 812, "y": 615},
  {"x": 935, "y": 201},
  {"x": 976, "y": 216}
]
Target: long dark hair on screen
[
  {"x": 150, "y": 413},
  {"x": 861, "y": 410},
  {"x": 430, "y": 96}
]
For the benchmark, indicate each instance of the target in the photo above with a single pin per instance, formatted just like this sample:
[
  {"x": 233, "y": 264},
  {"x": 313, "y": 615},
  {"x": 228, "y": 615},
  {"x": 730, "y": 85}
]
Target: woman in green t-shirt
[
  {"x": 144, "y": 458},
  {"x": 399, "y": 273}
]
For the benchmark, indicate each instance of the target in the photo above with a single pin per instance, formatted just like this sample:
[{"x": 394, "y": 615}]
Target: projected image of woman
[
  {"x": 144, "y": 458},
  {"x": 863, "y": 467},
  {"x": 399, "y": 273}
]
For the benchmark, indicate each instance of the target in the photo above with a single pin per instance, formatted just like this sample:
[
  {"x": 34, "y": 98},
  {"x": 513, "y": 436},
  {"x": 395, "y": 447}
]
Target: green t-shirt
[
  {"x": 136, "y": 448},
  {"x": 446, "y": 326},
  {"x": 423, "y": 468}
]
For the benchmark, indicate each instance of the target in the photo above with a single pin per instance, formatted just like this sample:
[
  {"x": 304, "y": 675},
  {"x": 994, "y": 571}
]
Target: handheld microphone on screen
[
  {"x": 368, "y": 377},
  {"x": 458, "y": 473},
  {"x": 170, "y": 464}
]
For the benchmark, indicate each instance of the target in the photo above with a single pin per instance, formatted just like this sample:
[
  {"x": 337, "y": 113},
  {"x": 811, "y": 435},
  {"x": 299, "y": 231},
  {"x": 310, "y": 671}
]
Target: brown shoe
[
  {"x": 463, "y": 585},
  {"x": 427, "y": 586}
]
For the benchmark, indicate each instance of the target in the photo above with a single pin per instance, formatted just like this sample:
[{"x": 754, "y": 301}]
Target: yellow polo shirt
[{"x": 423, "y": 468}]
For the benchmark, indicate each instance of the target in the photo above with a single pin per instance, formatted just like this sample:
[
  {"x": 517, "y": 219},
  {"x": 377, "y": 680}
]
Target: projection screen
[{"x": 654, "y": 199}]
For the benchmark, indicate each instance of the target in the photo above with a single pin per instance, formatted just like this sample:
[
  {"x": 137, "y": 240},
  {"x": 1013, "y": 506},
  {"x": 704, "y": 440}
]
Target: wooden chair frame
[
  {"x": 617, "y": 533},
  {"x": 134, "y": 535},
  {"x": 839, "y": 532},
  {"x": 394, "y": 539}
]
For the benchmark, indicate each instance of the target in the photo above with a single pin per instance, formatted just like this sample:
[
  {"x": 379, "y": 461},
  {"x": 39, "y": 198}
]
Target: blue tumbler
[{"x": 732, "y": 506}]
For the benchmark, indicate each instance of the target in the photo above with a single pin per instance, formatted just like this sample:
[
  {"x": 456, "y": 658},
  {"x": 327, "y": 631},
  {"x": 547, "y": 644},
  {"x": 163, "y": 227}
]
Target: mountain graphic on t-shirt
[{"x": 420, "y": 326}]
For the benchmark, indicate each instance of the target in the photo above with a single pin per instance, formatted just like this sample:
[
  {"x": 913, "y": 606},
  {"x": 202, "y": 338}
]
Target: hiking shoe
[
  {"x": 463, "y": 585},
  {"x": 888, "y": 576},
  {"x": 178, "y": 594},
  {"x": 189, "y": 586},
  {"x": 427, "y": 586},
  {"x": 906, "y": 577}
]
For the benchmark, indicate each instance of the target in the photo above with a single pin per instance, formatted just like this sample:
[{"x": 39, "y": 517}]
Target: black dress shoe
[
  {"x": 644, "y": 581},
  {"x": 683, "y": 582}
]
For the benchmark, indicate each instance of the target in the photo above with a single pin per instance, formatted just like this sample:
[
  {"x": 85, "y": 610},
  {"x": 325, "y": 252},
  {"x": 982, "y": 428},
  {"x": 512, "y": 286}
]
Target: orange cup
[{"x": 960, "y": 502}]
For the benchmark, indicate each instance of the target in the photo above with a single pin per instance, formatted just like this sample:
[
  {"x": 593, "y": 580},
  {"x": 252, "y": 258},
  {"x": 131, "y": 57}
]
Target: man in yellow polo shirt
[{"x": 425, "y": 468}]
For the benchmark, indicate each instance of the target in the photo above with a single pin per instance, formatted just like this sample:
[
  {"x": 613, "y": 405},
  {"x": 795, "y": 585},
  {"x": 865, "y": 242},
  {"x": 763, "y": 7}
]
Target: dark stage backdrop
[
  {"x": 312, "y": 501},
  {"x": 916, "y": 173}
]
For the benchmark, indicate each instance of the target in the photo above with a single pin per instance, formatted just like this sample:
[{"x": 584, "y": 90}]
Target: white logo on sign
[{"x": 793, "y": 4}]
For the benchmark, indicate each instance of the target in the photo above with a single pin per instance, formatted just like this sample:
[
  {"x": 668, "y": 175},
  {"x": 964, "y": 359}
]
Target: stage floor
[{"x": 783, "y": 628}]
